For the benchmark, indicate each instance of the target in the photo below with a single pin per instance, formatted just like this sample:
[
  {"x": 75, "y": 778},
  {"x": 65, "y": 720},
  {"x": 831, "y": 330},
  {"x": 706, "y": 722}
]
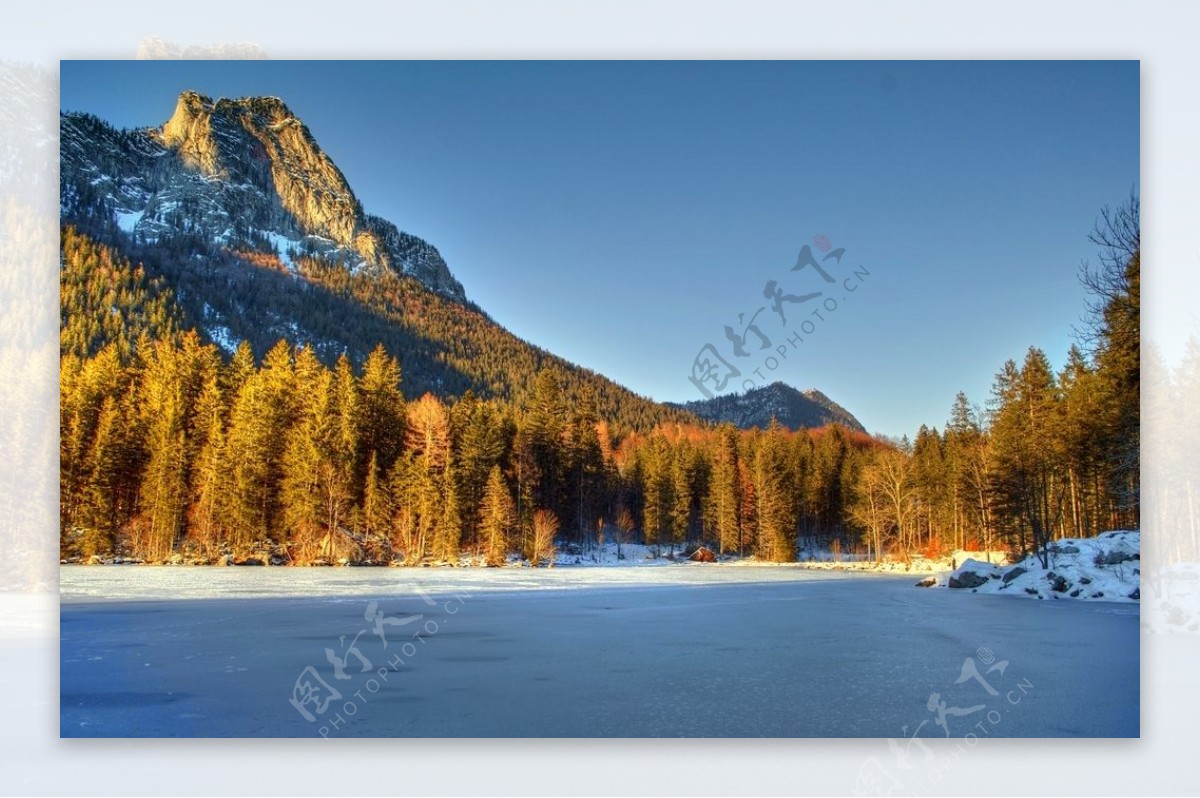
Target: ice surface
[{"x": 689, "y": 650}]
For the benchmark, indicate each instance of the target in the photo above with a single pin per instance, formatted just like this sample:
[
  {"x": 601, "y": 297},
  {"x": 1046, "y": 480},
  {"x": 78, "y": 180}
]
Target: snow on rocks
[{"x": 1105, "y": 568}]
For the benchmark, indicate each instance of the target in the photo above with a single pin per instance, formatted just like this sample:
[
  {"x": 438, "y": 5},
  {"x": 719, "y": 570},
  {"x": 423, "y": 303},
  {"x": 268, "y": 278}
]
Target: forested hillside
[
  {"x": 241, "y": 222},
  {"x": 255, "y": 370},
  {"x": 169, "y": 448}
]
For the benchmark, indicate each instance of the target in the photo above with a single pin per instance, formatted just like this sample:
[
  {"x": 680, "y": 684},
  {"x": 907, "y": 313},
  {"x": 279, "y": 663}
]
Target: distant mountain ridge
[{"x": 793, "y": 408}]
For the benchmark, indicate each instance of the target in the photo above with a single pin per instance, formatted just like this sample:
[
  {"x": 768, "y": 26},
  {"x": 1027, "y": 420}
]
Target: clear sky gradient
[{"x": 620, "y": 214}]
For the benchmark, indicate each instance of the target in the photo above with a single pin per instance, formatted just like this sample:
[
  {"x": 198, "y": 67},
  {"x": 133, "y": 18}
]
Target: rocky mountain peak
[
  {"x": 237, "y": 138},
  {"x": 189, "y": 132},
  {"x": 243, "y": 169}
]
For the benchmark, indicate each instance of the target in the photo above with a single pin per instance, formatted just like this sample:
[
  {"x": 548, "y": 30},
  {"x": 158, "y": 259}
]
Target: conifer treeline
[
  {"x": 175, "y": 451},
  {"x": 1053, "y": 455},
  {"x": 169, "y": 449}
]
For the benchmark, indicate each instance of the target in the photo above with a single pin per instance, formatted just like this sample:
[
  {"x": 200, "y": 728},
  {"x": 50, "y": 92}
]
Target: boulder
[
  {"x": 1136, "y": 595},
  {"x": 1012, "y": 574},
  {"x": 966, "y": 579},
  {"x": 929, "y": 581},
  {"x": 1113, "y": 557},
  {"x": 703, "y": 554},
  {"x": 1058, "y": 583}
]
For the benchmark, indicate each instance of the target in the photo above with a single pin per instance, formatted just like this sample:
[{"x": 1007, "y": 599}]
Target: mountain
[
  {"x": 794, "y": 409},
  {"x": 230, "y": 219},
  {"x": 245, "y": 174}
]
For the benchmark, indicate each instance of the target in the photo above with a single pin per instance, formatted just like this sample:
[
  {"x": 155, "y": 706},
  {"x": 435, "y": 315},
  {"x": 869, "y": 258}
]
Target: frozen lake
[{"x": 709, "y": 651}]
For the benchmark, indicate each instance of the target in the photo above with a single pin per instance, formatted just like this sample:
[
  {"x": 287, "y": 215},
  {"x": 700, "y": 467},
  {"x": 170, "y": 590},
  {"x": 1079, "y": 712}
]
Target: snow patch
[
  {"x": 223, "y": 337},
  {"x": 128, "y": 220},
  {"x": 284, "y": 245}
]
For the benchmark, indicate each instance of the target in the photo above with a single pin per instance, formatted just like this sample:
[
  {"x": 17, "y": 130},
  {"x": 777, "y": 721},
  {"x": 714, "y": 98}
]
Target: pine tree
[
  {"x": 382, "y": 414},
  {"x": 173, "y": 376},
  {"x": 1114, "y": 332},
  {"x": 449, "y": 529},
  {"x": 723, "y": 495},
  {"x": 1026, "y": 452},
  {"x": 85, "y": 385},
  {"x": 239, "y": 368},
  {"x": 208, "y": 475},
  {"x": 104, "y": 500},
  {"x": 482, "y": 440},
  {"x": 961, "y": 441},
  {"x": 305, "y": 462},
  {"x": 545, "y": 428},
  {"x": 680, "y": 510},
  {"x": 497, "y": 517},
  {"x": 930, "y": 482},
  {"x": 656, "y": 509},
  {"x": 428, "y": 432},
  {"x": 262, "y": 414},
  {"x": 1083, "y": 442},
  {"x": 776, "y": 517},
  {"x": 377, "y": 507},
  {"x": 586, "y": 463}
]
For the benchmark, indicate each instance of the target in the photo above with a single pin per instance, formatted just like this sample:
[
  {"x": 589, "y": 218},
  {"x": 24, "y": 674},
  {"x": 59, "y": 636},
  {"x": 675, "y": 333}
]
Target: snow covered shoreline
[{"x": 1104, "y": 568}]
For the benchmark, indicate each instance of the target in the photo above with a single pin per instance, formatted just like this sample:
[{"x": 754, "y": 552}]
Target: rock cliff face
[
  {"x": 259, "y": 140},
  {"x": 246, "y": 173}
]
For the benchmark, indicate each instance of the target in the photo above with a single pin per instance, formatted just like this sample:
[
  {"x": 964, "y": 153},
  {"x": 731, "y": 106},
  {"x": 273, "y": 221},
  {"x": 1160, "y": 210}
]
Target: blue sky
[{"x": 621, "y": 214}]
